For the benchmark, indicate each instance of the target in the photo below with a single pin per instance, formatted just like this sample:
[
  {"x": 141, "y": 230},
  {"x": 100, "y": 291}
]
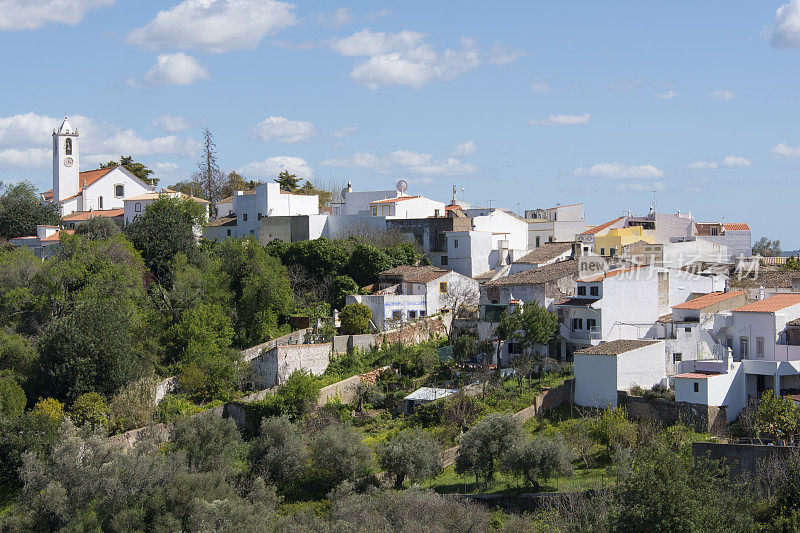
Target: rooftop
[
  {"x": 700, "y": 374},
  {"x": 771, "y": 304},
  {"x": 736, "y": 226},
  {"x": 610, "y": 274},
  {"x": 393, "y": 200},
  {"x": 156, "y": 195},
  {"x": 79, "y": 216},
  {"x": 430, "y": 394},
  {"x": 576, "y": 302},
  {"x": 229, "y": 220},
  {"x": 85, "y": 179},
  {"x": 537, "y": 276},
  {"x": 597, "y": 229},
  {"x": 546, "y": 252},
  {"x": 414, "y": 274},
  {"x": 616, "y": 347},
  {"x": 709, "y": 299}
]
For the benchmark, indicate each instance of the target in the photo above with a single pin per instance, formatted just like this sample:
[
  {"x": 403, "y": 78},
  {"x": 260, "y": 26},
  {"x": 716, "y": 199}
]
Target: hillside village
[{"x": 393, "y": 329}]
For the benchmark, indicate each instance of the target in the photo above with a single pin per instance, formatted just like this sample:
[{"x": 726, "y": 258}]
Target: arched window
[
  {"x": 99, "y": 202},
  {"x": 137, "y": 207},
  {"x": 68, "y": 147}
]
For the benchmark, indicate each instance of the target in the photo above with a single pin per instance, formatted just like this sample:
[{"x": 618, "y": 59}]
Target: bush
[
  {"x": 355, "y": 319},
  {"x": 174, "y": 407},
  {"x": 338, "y": 454},
  {"x": 134, "y": 405},
  {"x": 90, "y": 408},
  {"x": 210, "y": 443},
  {"x": 279, "y": 453},
  {"x": 613, "y": 429},
  {"x": 12, "y": 398},
  {"x": 98, "y": 228},
  {"x": 299, "y": 394},
  {"x": 412, "y": 454}
]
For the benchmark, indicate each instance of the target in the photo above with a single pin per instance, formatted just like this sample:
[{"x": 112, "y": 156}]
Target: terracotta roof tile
[
  {"x": 698, "y": 375},
  {"x": 393, "y": 200},
  {"x": 414, "y": 274},
  {"x": 86, "y": 215},
  {"x": 538, "y": 276},
  {"x": 579, "y": 302},
  {"x": 546, "y": 252},
  {"x": 229, "y": 220},
  {"x": 616, "y": 347},
  {"x": 560, "y": 206},
  {"x": 771, "y": 304},
  {"x": 709, "y": 299},
  {"x": 736, "y": 226},
  {"x": 611, "y": 274},
  {"x": 601, "y": 227}
]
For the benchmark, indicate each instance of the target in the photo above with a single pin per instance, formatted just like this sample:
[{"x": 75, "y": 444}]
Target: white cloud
[
  {"x": 618, "y": 171},
  {"x": 170, "y": 123},
  {"x": 33, "y": 14},
  {"x": 669, "y": 95},
  {"x": 407, "y": 161},
  {"x": 541, "y": 87},
  {"x": 465, "y": 149},
  {"x": 346, "y": 131},
  {"x": 782, "y": 149},
  {"x": 25, "y": 141},
  {"x": 338, "y": 18},
  {"x": 284, "y": 130},
  {"x": 786, "y": 32},
  {"x": 214, "y": 26},
  {"x": 405, "y": 59},
  {"x": 639, "y": 187},
  {"x": 723, "y": 94},
  {"x": 703, "y": 164},
  {"x": 273, "y": 166},
  {"x": 175, "y": 69},
  {"x": 734, "y": 161},
  {"x": 731, "y": 161},
  {"x": 562, "y": 120}
]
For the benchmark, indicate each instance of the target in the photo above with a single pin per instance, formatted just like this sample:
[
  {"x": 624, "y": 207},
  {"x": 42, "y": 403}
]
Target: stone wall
[
  {"x": 417, "y": 332},
  {"x": 274, "y": 366},
  {"x": 294, "y": 337},
  {"x": 741, "y": 458},
  {"x": 702, "y": 418},
  {"x": 346, "y": 343}
]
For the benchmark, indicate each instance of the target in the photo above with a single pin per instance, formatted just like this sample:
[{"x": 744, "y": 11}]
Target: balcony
[{"x": 591, "y": 334}]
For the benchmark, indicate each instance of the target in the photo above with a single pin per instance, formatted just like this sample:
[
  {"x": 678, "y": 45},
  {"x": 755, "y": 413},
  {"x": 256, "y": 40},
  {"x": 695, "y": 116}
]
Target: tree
[
  {"x": 208, "y": 179},
  {"x": 461, "y": 410},
  {"x": 483, "y": 445},
  {"x": 340, "y": 288},
  {"x": 137, "y": 169},
  {"x": 355, "y": 319},
  {"x": 164, "y": 230},
  {"x": 133, "y": 406},
  {"x": 99, "y": 228},
  {"x": 287, "y": 181},
  {"x": 506, "y": 329},
  {"x": 279, "y": 453},
  {"x": 90, "y": 409},
  {"x": 210, "y": 443},
  {"x": 21, "y": 210},
  {"x": 12, "y": 398},
  {"x": 299, "y": 394},
  {"x": 338, "y": 454},
  {"x": 465, "y": 348},
  {"x": 767, "y": 247},
  {"x": 539, "y": 458},
  {"x": 17, "y": 355},
  {"x": 777, "y": 417},
  {"x": 461, "y": 292},
  {"x": 411, "y": 454},
  {"x": 614, "y": 429},
  {"x": 537, "y": 326},
  {"x": 235, "y": 182},
  {"x": 366, "y": 261}
]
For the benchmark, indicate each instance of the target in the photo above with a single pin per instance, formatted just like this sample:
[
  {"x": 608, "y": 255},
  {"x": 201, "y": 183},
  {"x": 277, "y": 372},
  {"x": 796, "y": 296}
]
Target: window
[
  {"x": 714, "y": 232},
  {"x": 577, "y": 323},
  {"x": 582, "y": 290},
  {"x": 602, "y": 251},
  {"x": 68, "y": 147},
  {"x": 759, "y": 346},
  {"x": 594, "y": 291},
  {"x": 422, "y": 313},
  {"x": 538, "y": 240},
  {"x": 687, "y": 330},
  {"x": 443, "y": 287},
  {"x": 229, "y": 233},
  {"x": 412, "y": 314},
  {"x": 696, "y": 387},
  {"x": 550, "y": 238},
  {"x": 137, "y": 207},
  {"x": 259, "y": 216},
  {"x": 591, "y": 323},
  {"x": 244, "y": 217},
  {"x": 612, "y": 252},
  {"x": 396, "y": 315},
  {"x": 99, "y": 202},
  {"x": 514, "y": 348},
  {"x": 119, "y": 190},
  {"x": 677, "y": 357},
  {"x": 374, "y": 210},
  {"x": 744, "y": 347},
  {"x": 252, "y": 232},
  {"x": 729, "y": 342},
  {"x": 444, "y": 260},
  {"x": 455, "y": 243}
]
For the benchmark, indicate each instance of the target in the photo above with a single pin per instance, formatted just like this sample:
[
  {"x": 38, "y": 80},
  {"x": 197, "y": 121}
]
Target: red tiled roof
[
  {"x": 57, "y": 235},
  {"x": 611, "y": 274},
  {"x": 85, "y": 179},
  {"x": 771, "y": 304},
  {"x": 393, "y": 200},
  {"x": 698, "y": 375},
  {"x": 601, "y": 227},
  {"x": 560, "y": 206},
  {"x": 736, "y": 226},
  {"x": 78, "y": 216},
  {"x": 708, "y": 299}
]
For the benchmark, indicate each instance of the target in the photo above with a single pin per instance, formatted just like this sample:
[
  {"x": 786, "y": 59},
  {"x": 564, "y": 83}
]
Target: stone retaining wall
[
  {"x": 740, "y": 458},
  {"x": 702, "y": 418}
]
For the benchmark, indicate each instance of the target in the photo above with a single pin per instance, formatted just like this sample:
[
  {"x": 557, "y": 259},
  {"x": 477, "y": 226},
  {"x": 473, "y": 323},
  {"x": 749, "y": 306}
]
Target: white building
[
  {"x": 762, "y": 351},
  {"x": 547, "y": 253},
  {"x": 136, "y": 205},
  {"x": 604, "y": 369},
  {"x": 44, "y": 243},
  {"x": 735, "y": 235},
  {"x": 625, "y": 303},
  {"x": 410, "y": 292},
  {"x": 556, "y": 224},
  {"x": 496, "y": 239},
  {"x": 75, "y": 191}
]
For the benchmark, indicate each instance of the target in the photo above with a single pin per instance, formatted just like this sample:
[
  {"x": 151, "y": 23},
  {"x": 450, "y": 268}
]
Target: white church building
[{"x": 94, "y": 191}]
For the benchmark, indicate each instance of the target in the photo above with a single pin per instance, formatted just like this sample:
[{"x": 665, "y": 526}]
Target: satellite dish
[{"x": 402, "y": 186}]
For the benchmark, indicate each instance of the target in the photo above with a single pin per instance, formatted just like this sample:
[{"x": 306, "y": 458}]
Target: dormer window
[{"x": 68, "y": 147}]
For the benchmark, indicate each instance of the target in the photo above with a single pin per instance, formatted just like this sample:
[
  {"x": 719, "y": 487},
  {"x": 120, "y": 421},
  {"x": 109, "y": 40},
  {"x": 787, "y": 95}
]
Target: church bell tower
[{"x": 65, "y": 162}]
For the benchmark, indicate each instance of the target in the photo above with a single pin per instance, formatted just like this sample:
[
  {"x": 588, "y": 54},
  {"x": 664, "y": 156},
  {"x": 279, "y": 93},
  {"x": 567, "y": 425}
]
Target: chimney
[{"x": 761, "y": 293}]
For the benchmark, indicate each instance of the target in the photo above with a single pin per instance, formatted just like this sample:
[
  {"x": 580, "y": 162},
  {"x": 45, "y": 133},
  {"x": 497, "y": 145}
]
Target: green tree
[
  {"x": 485, "y": 443},
  {"x": 767, "y": 247},
  {"x": 366, "y": 262},
  {"x": 21, "y": 210},
  {"x": 210, "y": 443},
  {"x": 235, "y": 182},
  {"x": 17, "y": 355},
  {"x": 12, "y": 398},
  {"x": 341, "y": 287},
  {"x": 299, "y": 394},
  {"x": 777, "y": 417},
  {"x": 310, "y": 189},
  {"x": 465, "y": 348},
  {"x": 99, "y": 228},
  {"x": 338, "y": 454},
  {"x": 163, "y": 231},
  {"x": 537, "y": 326},
  {"x": 287, "y": 181},
  {"x": 411, "y": 454},
  {"x": 355, "y": 319},
  {"x": 90, "y": 409},
  {"x": 539, "y": 458},
  {"x": 279, "y": 453},
  {"x": 506, "y": 329},
  {"x": 137, "y": 169}
]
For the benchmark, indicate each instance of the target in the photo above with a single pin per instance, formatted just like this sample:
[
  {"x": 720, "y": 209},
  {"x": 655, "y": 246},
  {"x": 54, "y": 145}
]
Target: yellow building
[{"x": 611, "y": 244}]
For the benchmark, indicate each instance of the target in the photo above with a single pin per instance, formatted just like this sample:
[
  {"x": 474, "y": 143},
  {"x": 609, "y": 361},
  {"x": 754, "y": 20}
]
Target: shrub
[
  {"x": 279, "y": 452},
  {"x": 134, "y": 405},
  {"x": 613, "y": 429},
  {"x": 174, "y": 407},
  {"x": 210, "y": 443},
  {"x": 12, "y": 398},
  {"x": 412, "y": 454},
  {"x": 355, "y": 319},
  {"x": 299, "y": 394},
  {"x": 90, "y": 408},
  {"x": 338, "y": 454}
]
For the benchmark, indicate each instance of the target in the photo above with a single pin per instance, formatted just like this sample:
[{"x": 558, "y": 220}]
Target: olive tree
[
  {"x": 412, "y": 454},
  {"x": 484, "y": 444}
]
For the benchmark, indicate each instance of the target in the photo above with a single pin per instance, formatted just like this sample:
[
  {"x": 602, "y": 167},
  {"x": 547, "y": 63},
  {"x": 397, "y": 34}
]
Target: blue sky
[{"x": 529, "y": 103}]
